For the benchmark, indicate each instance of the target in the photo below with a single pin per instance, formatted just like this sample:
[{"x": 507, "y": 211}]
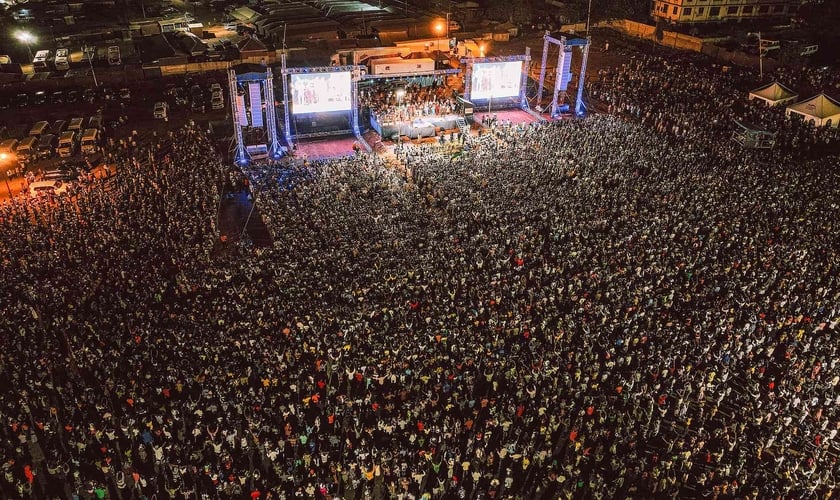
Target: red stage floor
[
  {"x": 515, "y": 116},
  {"x": 332, "y": 147}
]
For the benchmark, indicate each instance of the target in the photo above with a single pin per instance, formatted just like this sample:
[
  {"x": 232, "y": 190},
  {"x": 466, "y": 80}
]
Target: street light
[
  {"x": 439, "y": 28},
  {"x": 27, "y": 38}
]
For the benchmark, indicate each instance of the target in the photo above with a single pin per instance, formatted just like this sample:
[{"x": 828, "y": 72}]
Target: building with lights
[{"x": 716, "y": 11}]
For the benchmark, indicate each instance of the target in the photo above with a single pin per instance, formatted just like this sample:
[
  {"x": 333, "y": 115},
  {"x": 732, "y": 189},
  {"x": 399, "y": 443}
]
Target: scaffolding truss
[
  {"x": 563, "y": 73},
  {"x": 263, "y": 93}
]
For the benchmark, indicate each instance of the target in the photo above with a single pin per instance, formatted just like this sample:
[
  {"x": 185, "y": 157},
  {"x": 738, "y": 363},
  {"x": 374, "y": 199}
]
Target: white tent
[
  {"x": 774, "y": 94},
  {"x": 820, "y": 110}
]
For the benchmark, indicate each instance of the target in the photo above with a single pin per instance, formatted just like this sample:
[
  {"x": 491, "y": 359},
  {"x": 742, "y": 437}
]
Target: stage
[
  {"x": 319, "y": 149},
  {"x": 426, "y": 126},
  {"x": 514, "y": 116}
]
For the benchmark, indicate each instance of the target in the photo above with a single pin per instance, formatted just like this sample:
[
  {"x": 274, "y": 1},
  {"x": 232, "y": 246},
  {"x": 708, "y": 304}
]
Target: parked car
[
  {"x": 89, "y": 95},
  {"x": 57, "y": 97},
  {"x": 62, "y": 59},
  {"x": 125, "y": 94},
  {"x": 21, "y": 100},
  {"x": 73, "y": 96},
  {"x": 39, "y": 98},
  {"x": 161, "y": 110}
]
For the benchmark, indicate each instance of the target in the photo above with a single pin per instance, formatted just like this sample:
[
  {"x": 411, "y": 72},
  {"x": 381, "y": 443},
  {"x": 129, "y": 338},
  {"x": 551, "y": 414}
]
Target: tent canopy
[
  {"x": 820, "y": 109},
  {"x": 774, "y": 94}
]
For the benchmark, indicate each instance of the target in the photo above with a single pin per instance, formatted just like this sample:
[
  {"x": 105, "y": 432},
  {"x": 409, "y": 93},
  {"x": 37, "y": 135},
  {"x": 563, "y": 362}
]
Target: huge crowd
[
  {"x": 686, "y": 98},
  {"x": 580, "y": 309}
]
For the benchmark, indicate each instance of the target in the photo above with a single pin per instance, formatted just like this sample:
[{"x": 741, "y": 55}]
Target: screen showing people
[
  {"x": 496, "y": 80},
  {"x": 320, "y": 92}
]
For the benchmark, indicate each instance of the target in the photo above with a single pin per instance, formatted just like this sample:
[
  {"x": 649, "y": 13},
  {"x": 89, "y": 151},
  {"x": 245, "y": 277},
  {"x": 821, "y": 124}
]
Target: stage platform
[
  {"x": 426, "y": 126},
  {"x": 319, "y": 149},
  {"x": 515, "y": 116}
]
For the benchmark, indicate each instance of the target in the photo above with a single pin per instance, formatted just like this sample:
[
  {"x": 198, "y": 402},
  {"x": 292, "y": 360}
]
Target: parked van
[
  {"x": 41, "y": 60},
  {"x": 62, "y": 59},
  {"x": 67, "y": 144},
  {"x": 39, "y": 128},
  {"x": 90, "y": 140},
  {"x": 76, "y": 124},
  {"x": 27, "y": 149}
]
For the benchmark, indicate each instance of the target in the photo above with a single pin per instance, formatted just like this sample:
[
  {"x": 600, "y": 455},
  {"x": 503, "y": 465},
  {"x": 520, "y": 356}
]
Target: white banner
[
  {"x": 240, "y": 110},
  {"x": 255, "y": 100}
]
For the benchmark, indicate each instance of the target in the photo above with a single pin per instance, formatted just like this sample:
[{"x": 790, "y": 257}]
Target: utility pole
[
  {"x": 91, "y": 51},
  {"x": 6, "y": 178},
  {"x": 760, "y": 58}
]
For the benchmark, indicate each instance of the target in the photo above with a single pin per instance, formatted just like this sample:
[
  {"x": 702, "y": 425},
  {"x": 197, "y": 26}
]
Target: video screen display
[
  {"x": 320, "y": 92},
  {"x": 496, "y": 79}
]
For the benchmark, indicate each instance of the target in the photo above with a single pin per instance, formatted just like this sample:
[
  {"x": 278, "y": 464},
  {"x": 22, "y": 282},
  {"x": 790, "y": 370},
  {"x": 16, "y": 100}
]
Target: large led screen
[
  {"x": 320, "y": 92},
  {"x": 496, "y": 79}
]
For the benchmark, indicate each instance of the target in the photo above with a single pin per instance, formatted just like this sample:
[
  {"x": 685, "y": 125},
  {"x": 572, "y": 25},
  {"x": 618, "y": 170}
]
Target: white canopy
[
  {"x": 774, "y": 94},
  {"x": 820, "y": 110}
]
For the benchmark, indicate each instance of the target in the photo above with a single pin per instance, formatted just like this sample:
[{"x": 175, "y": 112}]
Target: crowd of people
[
  {"x": 685, "y": 97},
  {"x": 406, "y": 102},
  {"x": 595, "y": 308}
]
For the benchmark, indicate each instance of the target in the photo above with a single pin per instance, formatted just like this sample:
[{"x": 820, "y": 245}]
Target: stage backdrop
[
  {"x": 320, "y": 92},
  {"x": 496, "y": 80}
]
